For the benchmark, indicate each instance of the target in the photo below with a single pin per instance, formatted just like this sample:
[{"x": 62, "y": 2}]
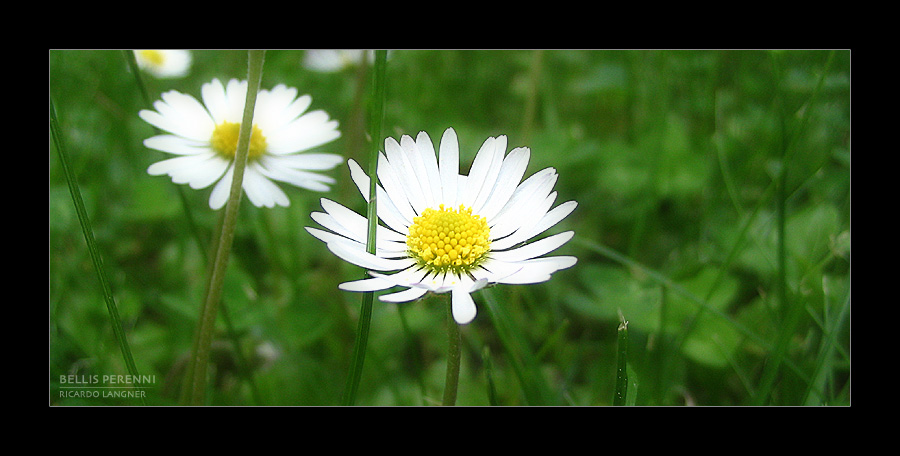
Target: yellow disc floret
[
  {"x": 449, "y": 239},
  {"x": 225, "y": 139}
]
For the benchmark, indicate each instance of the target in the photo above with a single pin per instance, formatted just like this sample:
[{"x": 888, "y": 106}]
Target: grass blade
[
  {"x": 195, "y": 381},
  {"x": 376, "y": 118},
  {"x": 621, "y": 393},
  {"x": 88, "y": 232}
]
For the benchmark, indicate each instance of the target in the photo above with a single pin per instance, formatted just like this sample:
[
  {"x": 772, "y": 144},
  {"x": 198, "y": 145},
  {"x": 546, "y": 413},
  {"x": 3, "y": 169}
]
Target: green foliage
[{"x": 675, "y": 159}]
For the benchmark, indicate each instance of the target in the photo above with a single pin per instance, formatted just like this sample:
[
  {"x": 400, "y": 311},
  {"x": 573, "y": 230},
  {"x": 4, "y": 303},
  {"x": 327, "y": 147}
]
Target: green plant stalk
[
  {"x": 451, "y": 382},
  {"x": 88, "y": 233},
  {"x": 200, "y": 359},
  {"x": 621, "y": 392},
  {"x": 195, "y": 232},
  {"x": 376, "y": 118}
]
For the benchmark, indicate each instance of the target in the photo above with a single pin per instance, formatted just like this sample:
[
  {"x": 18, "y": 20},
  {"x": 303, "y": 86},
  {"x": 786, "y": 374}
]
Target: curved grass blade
[{"x": 88, "y": 232}]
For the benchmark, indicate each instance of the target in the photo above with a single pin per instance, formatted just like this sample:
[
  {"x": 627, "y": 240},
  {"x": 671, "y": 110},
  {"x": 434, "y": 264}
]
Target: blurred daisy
[
  {"x": 204, "y": 136},
  {"x": 447, "y": 232},
  {"x": 333, "y": 60},
  {"x": 164, "y": 63}
]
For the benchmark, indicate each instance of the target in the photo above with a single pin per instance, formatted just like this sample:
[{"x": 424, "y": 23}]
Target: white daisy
[
  {"x": 447, "y": 232},
  {"x": 164, "y": 63},
  {"x": 204, "y": 136},
  {"x": 333, "y": 60}
]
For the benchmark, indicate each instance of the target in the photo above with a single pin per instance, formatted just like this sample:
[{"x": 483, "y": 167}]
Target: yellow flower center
[
  {"x": 152, "y": 56},
  {"x": 449, "y": 240},
  {"x": 225, "y": 138}
]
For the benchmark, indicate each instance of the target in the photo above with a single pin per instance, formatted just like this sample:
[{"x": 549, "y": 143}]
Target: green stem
[
  {"x": 451, "y": 382},
  {"x": 376, "y": 118},
  {"x": 88, "y": 233},
  {"x": 198, "y": 239},
  {"x": 200, "y": 359},
  {"x": 622, "y": 365}
]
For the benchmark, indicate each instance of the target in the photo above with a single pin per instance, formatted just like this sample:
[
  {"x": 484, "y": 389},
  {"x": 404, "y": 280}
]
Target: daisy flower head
[
  {"x": 204, "y": 137},
  {"x": 447, "y": 232},
  {"x": 164, "y": 63},
  {"x": 334, "y": 60}
]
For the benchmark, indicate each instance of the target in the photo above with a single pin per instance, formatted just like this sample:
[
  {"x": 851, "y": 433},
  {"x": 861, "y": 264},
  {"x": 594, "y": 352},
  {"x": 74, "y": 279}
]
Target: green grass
[{"x": 714, "y": 215}]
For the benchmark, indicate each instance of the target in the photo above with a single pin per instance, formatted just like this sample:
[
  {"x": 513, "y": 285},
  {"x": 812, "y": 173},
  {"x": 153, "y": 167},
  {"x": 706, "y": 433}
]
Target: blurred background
[{"x": 686, "y": 165}]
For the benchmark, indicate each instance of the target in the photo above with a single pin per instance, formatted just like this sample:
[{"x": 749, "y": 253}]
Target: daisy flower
[
  {"x": 333, "y": 60},
  {"x": 164, "y": 63},
  {"x": 204, "y": 138},
  {"x": 446, "y": 232}
]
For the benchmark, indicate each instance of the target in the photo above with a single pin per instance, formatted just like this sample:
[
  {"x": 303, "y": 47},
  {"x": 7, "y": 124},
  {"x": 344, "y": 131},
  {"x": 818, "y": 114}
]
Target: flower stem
[
  {"x": 451, "y": 382},
  {"x": 195, "y": 387},
  {"x": 198, "y": 238},
  {"x": 376, "y": 117}
]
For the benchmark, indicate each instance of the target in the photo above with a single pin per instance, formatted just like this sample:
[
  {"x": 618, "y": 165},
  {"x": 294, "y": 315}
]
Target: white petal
[
  {"x": 297, "y": 107},
  {"x": 272, "y": 168},
  {"x": 354, "y": 244},
  {"x": 364, "y": 259},
  {"x": 385, "y": 208},
  {"x": 311, "y": 130},
  {"x": 552, "y": 218},
  {"x": 414, "y": 276},
  {"x": 372, "y": 284},
  {"x": 538, "y": 270},
  {"x": 309, "y": 162},
  {"x": 225, "y": 102},
  {"x": 221, "y": 191},
  {"x": 463, "y": 306},
  {"x": 329, "y": 237},
  {"x": 410, "y": 294},
  {"x": 176, "y": 145},
  {"x": 434, "y": 282},
  {"x": 429, "y": 159},
  {"x": 532, "y": 190},
  {"x": 484, "y": 171},
  {"x": 449, "y": 166},
  {"x": 235, "y": 98},
  {"x": 493, "y": 270},
  {"x": 188, "y": 116},
  {"x": 417, "y": 165},
  {"x": 391, "y": 184},
  {"x": 199, "y": 171},
  {"x": 270, "y": 112},
  {"x": 185, "y": 119},
  {"x": 328, "y": 222},
  {"x": 405, "y": 174},
  {"x": 356, "y": 223},
  {"x": 511, "y": 172},
  {"x": 534, "y": 249},
  {"x": 478, "y": 284},
  {"x": 520, "y": 223},
  {"x": 384, "y": 248},
  {"x": 260, "y": 190}
]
